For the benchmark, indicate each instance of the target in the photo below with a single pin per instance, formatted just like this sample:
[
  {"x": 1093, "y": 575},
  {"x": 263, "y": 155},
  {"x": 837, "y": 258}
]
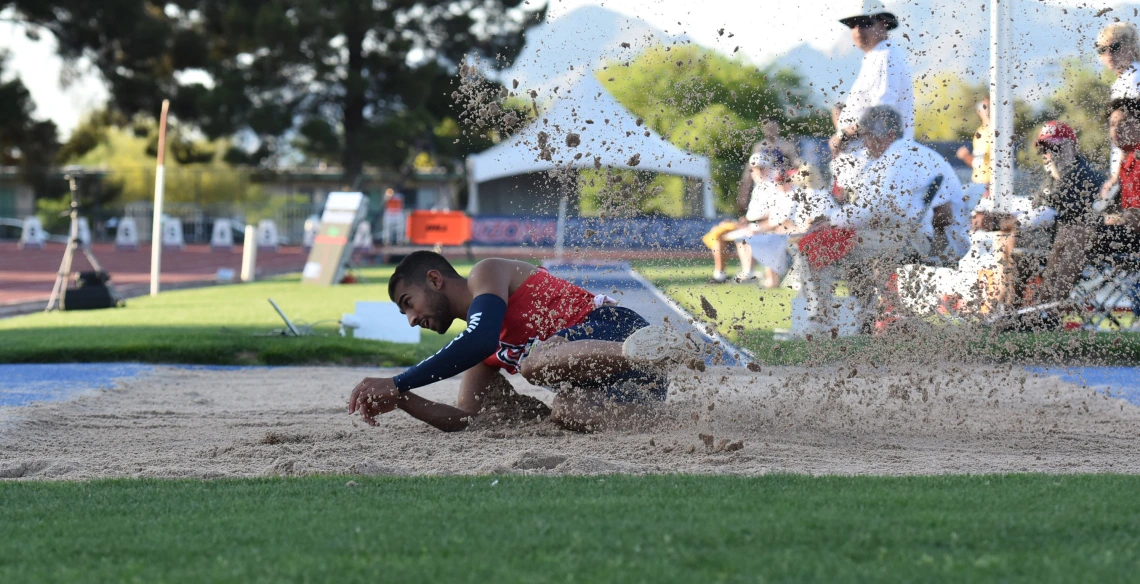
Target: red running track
[{"x": 27, "y": 275}]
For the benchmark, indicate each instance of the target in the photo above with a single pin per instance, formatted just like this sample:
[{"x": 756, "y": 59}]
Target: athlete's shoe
[
  {"x": 744, "y": 277},
  {"x": 718, "y": 278},
  {"x": 661, "y": 347}
]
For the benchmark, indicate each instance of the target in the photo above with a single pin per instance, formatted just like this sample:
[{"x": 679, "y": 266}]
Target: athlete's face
[
  {"x": 1124, "y": 129},
  {"x": 425, "y": 305}
]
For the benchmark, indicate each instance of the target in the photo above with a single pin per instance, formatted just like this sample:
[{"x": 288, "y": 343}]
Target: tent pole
[
  {"x": 472, "y": 191},
  {"x": 707, "y": 188},
  {"x": 560, "y": 230},
  {"x": 1001, "y": 103}
]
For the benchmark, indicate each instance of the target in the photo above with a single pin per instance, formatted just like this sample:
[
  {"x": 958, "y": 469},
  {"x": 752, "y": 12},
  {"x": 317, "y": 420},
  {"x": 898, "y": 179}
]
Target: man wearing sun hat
[
  {"x": 1064, "y": 206},
  {"x": 884, "y": 79}
]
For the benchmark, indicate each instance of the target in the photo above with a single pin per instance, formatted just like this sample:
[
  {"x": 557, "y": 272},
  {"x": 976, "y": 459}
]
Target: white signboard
[
  {"x": 172, "y": 233},
  {"x": 222, "y": 236},
  {"x": 330, "y": 249},
  {"x": 33, "y": 235},
  {"x": 84, "y": 229},
  {"x": 127, "y": 236},
  {"x": 382, "y": 321},
  {"x": 267, "y": 234}
]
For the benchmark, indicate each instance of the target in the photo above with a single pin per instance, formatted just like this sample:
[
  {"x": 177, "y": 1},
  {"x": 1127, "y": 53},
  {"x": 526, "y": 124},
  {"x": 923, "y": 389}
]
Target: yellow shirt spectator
[{"x": 983, "y": 149}]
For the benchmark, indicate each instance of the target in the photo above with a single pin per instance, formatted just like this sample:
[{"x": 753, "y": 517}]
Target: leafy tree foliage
[
  {"x": 713, "y": 105},
  {"x": 25, "y": 142},
  {"x": 945, "y": 108},
  {"x": 1081, "y": 101},
  {"x": 127, "y": 150},
  {"x": 349, "y": 81}
]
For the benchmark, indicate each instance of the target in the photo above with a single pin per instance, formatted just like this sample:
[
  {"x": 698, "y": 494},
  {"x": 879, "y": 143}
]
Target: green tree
[
  {"x": 125, "y": 153},
  {"x": 25, "y": 142},
  {"x": 136, "y": 45},
  {"x": 1081, "y": 102},
  {"x": 713, "y": 105},
  {"x": 346, "y": 80},
  {"x": 945, "y": 108},
  {"x": 351, "y": 81}
]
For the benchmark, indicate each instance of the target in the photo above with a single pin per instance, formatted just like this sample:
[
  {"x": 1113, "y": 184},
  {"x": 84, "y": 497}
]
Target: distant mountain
[
  {"x": 558, "y": 52},
  {"x": 940, "y": 35}
]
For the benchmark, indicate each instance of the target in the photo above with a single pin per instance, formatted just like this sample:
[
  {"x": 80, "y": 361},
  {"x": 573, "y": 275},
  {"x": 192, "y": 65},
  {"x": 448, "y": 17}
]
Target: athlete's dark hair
[
  {"x": 1128, "y": 105},
  {"x": 415, "y": 267}
]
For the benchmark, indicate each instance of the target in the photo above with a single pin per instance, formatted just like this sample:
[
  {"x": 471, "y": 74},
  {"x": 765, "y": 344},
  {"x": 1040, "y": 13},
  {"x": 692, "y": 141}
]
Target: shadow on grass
[{"x": 975, "y": 346}]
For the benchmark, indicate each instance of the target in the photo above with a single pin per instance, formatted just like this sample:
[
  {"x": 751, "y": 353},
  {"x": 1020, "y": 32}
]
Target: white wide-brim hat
[{"x": 857, "y": 11}]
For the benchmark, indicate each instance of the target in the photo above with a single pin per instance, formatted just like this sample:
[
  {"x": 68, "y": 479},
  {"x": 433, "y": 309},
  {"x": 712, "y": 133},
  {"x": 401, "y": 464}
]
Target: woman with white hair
[{"x": 1118, "y": 47}]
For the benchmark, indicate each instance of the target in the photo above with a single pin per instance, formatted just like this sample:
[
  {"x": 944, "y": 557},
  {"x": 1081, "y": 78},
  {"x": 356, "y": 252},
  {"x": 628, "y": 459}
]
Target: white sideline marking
[{"x": 746, "y": 356}]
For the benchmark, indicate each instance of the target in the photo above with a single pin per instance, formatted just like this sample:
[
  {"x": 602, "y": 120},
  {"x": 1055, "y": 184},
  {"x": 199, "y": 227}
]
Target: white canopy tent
[{"x": 610, "y": 136}]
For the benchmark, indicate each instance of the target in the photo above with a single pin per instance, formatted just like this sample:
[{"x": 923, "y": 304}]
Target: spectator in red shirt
[{"x": 1124, "y": 129}]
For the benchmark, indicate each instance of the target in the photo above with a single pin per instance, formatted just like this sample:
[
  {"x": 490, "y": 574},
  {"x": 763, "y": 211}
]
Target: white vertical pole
[
  {"x": 560, "y": 230},
  {"x": 707, "y": 194},
  {"x": 159, "y": 191},
  {"x": 1001, "y": 102},
  {"x": 249, "y": 255},
  {"x": 472, "y": 190}
]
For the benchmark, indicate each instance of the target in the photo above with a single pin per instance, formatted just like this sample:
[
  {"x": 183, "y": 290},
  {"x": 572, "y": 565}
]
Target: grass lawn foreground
[{"x": 1031, "y": 528}]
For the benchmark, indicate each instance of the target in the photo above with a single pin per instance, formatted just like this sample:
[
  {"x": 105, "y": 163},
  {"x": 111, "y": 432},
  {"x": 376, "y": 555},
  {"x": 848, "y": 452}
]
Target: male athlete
[{"x": 604, "y": 361}]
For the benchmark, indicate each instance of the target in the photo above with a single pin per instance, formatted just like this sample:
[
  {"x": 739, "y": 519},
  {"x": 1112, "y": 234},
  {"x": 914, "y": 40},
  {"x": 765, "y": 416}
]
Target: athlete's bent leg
[
  {"x": 557, "y": 361},
  {"x": 590, "y": 410}
]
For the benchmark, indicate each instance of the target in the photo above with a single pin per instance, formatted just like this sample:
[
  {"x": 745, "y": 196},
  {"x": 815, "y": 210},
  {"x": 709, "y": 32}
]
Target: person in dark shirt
[{"x": 1064, "y": 205}]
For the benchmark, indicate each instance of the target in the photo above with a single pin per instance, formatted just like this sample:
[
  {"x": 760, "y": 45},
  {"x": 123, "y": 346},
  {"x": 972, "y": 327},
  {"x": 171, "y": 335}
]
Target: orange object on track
[{"x": 438, "y": 228}]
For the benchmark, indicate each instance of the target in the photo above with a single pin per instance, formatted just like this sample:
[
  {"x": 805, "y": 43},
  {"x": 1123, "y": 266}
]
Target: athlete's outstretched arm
[
  {"x": 489, "y": 285},
  {"x": 441, "y": 416},
  {"x": 449, "y": 418}
]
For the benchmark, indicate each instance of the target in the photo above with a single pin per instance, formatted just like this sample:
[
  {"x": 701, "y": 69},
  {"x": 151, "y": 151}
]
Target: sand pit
[{"x": 177, "y": 422}]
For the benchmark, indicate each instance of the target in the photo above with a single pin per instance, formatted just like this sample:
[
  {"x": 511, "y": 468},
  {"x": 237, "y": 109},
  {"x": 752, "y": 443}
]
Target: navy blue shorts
[{"x": 616, "y": 323}]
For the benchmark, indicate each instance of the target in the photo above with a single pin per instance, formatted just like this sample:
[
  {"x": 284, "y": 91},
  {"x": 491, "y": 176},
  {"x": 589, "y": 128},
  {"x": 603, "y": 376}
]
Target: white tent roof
[{"x": 607, "y": 131}]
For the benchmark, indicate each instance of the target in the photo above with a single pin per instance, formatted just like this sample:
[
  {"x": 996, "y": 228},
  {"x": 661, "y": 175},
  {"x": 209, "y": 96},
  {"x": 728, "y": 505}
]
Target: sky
[{"x": 763, "y": 29}]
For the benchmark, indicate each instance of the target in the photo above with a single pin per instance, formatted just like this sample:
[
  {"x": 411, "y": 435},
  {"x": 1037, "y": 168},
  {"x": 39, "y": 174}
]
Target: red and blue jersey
[{"x": 539, "y": 308}]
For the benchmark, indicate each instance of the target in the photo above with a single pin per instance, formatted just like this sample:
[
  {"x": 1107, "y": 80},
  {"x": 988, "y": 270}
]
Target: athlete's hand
[{"x": 372, "y": 397}]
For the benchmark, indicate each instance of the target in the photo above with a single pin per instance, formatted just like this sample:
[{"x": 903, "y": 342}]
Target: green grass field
[
  {"x": 229, "y": 325},
  {"x": 216, "y": 325},
  {"x": 1029, "y": 528}
]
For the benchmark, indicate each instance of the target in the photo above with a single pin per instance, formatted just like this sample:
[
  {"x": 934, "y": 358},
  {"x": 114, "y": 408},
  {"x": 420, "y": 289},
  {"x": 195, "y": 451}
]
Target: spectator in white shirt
[
  {"x": 847, "y": 166},
  {"x": 765, "y": 203},
  {"x": 801, "y": 201},
  {"x": 1118, "y": 47},
  {"x": 884, "y": 77},
  {"x": 905, "y": 195}
]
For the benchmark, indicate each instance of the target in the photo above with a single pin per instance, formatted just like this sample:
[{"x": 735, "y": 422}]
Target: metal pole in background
[
  {"x": 560, "y": 229},
  {"x": 249, "y": 255},
  {"x": 1001, "y": 102},
  {"x": 159, "y": 191}
]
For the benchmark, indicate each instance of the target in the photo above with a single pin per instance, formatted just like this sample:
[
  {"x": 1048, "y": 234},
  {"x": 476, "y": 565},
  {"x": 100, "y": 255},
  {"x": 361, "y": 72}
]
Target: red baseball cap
[{"x": 1055, "y": 133}]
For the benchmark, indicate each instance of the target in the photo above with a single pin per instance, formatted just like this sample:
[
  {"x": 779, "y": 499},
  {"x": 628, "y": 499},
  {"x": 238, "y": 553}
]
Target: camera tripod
[{"x": 55, "y": 301}]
